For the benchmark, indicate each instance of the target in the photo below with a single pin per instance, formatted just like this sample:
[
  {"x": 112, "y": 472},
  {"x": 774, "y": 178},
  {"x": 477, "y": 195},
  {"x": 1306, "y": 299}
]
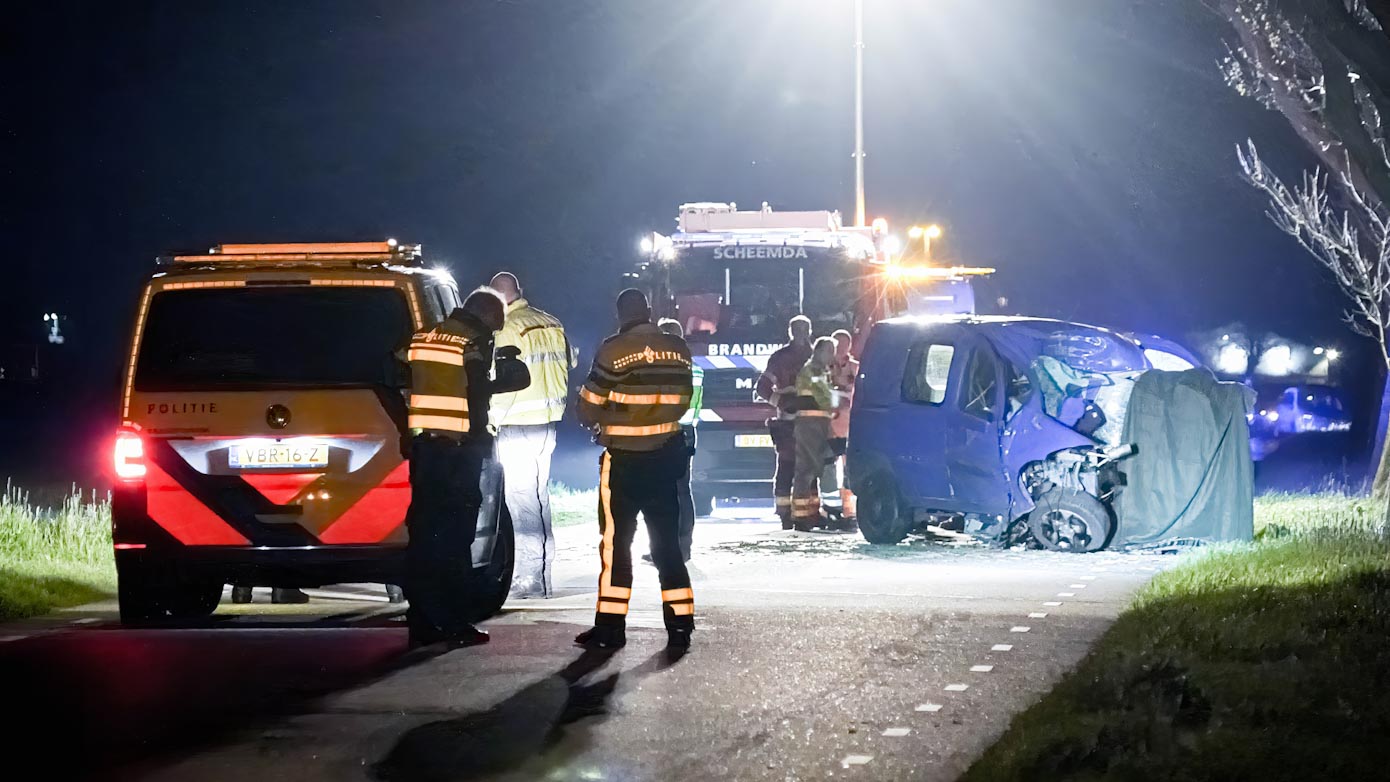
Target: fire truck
[{"x": 734, "y": 278}]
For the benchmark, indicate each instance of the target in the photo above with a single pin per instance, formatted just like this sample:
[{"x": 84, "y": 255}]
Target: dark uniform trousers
[
  {"x": 446, "y": 495},
  {"x": 783, "y": 431},
  {"x": 633, "y": 482},
  {"x": 812, "y": 453}
]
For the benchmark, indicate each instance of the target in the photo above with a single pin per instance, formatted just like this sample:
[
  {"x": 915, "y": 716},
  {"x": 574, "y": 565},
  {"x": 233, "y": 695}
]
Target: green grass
[
  {"x": 572, "y": 506},
  {"x": 53, "y": 557},
  {"x": 1268, "y": 661}
]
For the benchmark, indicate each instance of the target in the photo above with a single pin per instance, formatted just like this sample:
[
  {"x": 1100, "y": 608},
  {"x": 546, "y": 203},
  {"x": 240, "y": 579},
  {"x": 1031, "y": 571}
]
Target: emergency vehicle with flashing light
[
  {"x": 263, "y": 424},
  {"x": 734, "y": 278}
]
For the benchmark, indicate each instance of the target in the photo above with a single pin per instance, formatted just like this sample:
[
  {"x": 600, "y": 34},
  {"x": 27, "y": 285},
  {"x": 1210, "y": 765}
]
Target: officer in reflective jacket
[
  {"x": 637, "y": 391},
  {"x": 449, "y": 396}
]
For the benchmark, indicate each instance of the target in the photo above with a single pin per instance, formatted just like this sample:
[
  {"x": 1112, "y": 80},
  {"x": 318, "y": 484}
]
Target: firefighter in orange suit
[
  {"x": 637, "y": 391},
  {"x": 843, "y": 373},
  {"x": 777, "y": 387},
  {"x": 450, "y": 391}
]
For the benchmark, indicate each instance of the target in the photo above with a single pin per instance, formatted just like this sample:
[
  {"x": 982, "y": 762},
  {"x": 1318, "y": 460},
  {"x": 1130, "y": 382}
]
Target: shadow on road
[
  {"x": 91, "y": 701},
  {"x": 514, "y": 731}
]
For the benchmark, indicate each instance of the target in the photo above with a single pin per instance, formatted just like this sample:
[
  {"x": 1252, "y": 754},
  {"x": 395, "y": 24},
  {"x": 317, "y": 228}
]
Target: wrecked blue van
[{"x": 1002, "y": 427}]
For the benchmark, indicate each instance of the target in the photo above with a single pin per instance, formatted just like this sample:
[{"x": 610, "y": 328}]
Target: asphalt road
[{"x": 817, "y": 656}]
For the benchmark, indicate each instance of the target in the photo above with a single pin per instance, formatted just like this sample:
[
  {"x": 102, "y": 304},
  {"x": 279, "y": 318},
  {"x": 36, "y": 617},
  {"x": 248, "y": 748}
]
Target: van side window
[
  {"x": 981, "y": 385},
  {"x": 928, "y": 371}
]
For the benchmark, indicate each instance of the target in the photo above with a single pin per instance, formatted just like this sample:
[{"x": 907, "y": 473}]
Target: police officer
[
  {"x": 777, "y": 386},
  {"x": 815, "y": 405},
  {"x": 449, "y": 396},
  {"x": 637, "y": 391},
  {"x": 525, "y": 423}
]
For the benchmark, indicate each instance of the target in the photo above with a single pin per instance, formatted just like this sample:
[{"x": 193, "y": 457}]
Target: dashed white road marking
[
  {"x": 957, "y": 687},
  {"x": 928, "y": 707},
  {"x": 981, "y": 668},
  {"x": 1001, "y": 648},
  {"x": 897, "y": 732},
  {"x": 1019, "y": 629},
  {"x": 856, "y": 760},
  {"x": 1066, "y": 594},
  {"x": 1037, "y": 615},
  {"x": 1053, "y": 603},
  {"x": 1077, "y": 586}
]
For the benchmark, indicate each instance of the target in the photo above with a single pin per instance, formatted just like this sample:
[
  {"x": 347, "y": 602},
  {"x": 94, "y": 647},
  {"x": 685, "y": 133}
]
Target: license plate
[
  {"x": 753, "y": 441},
  {"x": 264, "y": 454}
]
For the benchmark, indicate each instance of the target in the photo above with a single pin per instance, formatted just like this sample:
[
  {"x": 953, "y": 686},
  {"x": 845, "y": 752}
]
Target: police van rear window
[{"x": 250, "y": 337}]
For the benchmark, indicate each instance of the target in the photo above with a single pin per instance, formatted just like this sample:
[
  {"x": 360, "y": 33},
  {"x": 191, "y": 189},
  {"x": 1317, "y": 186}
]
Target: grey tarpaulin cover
[{"x": 1192, "y": 477}]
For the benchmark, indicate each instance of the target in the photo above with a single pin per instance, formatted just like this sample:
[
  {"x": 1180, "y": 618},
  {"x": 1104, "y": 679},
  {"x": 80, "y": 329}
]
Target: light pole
[{"x": 859, "y": 113}]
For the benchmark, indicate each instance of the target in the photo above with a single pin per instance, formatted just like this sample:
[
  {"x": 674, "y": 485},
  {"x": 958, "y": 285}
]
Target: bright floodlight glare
[
  {"x": 1277, "y": 361},
  {"x": 915, "y": 232},
  {"x": 880, "y": 225},
  {"x": 1232, "y": 359},
  {"x": 1164, "y": 361},
  {"x": 646, "y": 245},
  {"x": 1273, "y": 416},
  {"x": 667, "y": 253},
  {"x": 892, "y": 244},
  {"x": 1333, "y": 354},
  {"x": 933, "y": 232}
]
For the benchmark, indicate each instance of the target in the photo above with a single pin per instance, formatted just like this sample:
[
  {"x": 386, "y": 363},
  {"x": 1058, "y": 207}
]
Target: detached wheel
[
  {"x": 880, "y": 512},
  {"x": 1071, "y": 521},
  {"x": 153, "y": 592},
  {"x": 493, "y": 581},
  {"x": 704, "y": 502}
]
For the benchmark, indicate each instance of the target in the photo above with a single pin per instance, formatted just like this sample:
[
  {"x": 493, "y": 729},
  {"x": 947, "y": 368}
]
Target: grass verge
[
  {"x": 569, "y": 507},
  {"x": 53, "y": 557},
  {"x": 1266, "y": 661}
]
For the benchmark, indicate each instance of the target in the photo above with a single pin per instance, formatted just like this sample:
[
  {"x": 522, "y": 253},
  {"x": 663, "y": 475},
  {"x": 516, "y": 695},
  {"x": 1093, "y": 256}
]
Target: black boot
[
  {"x": 678, "y": 637},
  {"x": 602, "y": 637},
  {"x": 468, "y": 636},
  {"x": 278, "y": 595},
  {"x": 241, "y": 594}
]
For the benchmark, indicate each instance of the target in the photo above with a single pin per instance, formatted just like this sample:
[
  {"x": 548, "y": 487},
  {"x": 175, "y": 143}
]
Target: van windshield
[{"x": 276, "y": 336}]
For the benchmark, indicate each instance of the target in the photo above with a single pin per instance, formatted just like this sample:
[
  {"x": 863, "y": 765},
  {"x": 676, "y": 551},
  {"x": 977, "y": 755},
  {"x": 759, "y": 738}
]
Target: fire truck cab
[
  {"x": 263, "y": 426},
  {"x": 734, "y": 278}
]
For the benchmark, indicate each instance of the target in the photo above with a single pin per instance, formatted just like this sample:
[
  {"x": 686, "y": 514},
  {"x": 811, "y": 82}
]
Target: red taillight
[{"x": 129, "y": 455}]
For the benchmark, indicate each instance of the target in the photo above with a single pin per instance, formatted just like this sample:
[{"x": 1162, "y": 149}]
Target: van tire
[
  {"x": 1073, "y": 521},
  {"x": 493, "y": 581},
  {"x": 154, "y": 592},
  {"x": 881, "y": 516}
]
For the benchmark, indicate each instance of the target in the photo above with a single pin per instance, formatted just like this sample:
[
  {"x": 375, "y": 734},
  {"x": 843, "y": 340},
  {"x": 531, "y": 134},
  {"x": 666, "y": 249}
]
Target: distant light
[
  {"x": 646, "y": 245},
  {"x": 1333, "y": 354},
  {"x": 1277, "y": 361},
  {"x": 880, "y": 225},
  {"x": 1232, "y": 359},
  {"x": 390, "y": 242},
  {"x": 1273, "y": 416},
  {"x": 891, "y": 244},
  {"x": 1225, "y": 337},
  {"x": 915, "y": 232},
  {"x": 1318, "y": 351},
  {"x": 933, "y": 231}
]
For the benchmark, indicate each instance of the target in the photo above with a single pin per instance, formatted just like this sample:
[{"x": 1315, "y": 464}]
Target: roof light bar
[{"x": 381, "y": 252}]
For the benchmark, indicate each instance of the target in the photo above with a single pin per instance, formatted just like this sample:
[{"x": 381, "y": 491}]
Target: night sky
[{"x": 1085, "y": 148}]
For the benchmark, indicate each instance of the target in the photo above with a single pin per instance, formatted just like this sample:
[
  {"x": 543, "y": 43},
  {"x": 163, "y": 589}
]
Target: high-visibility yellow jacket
[
  {"x": 448, "y": 371},
  {"x": 546, "y": 351},
  {"x": 638, "y": 388}
]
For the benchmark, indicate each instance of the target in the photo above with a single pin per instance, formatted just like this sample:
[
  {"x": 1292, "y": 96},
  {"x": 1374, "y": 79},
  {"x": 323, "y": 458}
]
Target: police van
[{"x": 263, "y": 424}]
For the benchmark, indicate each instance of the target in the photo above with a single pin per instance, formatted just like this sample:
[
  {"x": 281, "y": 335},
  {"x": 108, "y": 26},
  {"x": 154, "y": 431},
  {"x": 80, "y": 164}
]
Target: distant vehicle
[
  {"x": 733, "y": 278},
  {"x": 1303, "y": 409},
  {"x": 989, "y": 421},
  {"x": 263, "y": 417}
]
